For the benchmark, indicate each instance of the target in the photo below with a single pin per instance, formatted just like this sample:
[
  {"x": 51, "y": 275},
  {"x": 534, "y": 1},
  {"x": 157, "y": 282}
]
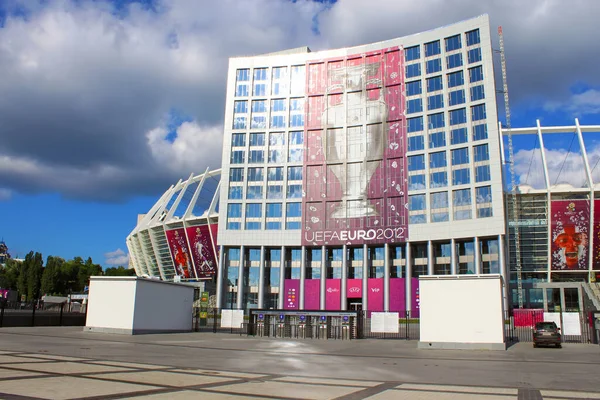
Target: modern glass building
[{"x": 347, "y": 174}]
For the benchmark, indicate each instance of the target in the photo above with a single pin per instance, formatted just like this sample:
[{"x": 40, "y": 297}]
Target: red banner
[
  {"x": 570, "y": 222},
  {"x": 204, "y": 254},
  {"x": 180, "y": 253}
]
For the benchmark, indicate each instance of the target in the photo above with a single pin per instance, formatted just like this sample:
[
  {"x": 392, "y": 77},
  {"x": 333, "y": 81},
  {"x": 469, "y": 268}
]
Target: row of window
[
  {"x": 436, "y": 83},
  {"x": 275, "y": 156},
  {"x": 276, "y": 139},
  {"x": 283, "y": 81},
  {"x": 438, "y": 139},
  {"x": 439, "y": 179},
  {"x": 458, "y": 157},
  {"x": 434, "y": 48},
  {"x": 273, "y": 212},
  {"x": 439, "y": 207}
]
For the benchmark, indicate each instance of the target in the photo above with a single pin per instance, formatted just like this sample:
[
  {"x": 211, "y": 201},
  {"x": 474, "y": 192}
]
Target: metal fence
[
  {"x": 17, "y": 314},
  {"x": 408, "y": 327},
  {"x": 576, "y": 327}
]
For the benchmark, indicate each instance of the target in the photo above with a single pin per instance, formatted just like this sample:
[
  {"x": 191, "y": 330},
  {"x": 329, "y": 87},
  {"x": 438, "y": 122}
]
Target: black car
[{"x": 546, "y": 333}]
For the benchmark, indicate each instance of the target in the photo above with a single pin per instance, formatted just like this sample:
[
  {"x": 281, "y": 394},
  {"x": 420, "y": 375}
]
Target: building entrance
[{"x": 354, "y": 305}]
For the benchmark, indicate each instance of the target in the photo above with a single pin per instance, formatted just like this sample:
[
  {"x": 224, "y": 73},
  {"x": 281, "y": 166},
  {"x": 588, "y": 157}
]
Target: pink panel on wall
[
  {"x": 354, "y": 288},
  {"x": 398, "y": 294},
  {"x": 375, "y": 294},
  {"x": 291, "y": 294},
  {"x": 333, "y": 294},
  {"x": 311, "y": 294}
]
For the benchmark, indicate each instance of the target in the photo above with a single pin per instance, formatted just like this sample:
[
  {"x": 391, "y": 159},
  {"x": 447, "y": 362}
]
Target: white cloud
[
  {"x": 584, "y": 103},
  {"x": 561, "y": 168},
  {"x": 117, "y": 258},
  {"x": 5, "y": 194}
]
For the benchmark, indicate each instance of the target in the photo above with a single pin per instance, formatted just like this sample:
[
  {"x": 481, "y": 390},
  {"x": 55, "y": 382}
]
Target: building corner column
[
  {"x": 261, "y": 279},
  {"x": 220, "y": 272},
  {"x": 281, "y": 279},
  {"x": 386, "y": 277},
  {"x": 408, "y": 285},
  {"x": 344, "y": 283},
  {"x": 240, "y": 280},
  {"x": 302, "y": 278},
  {"x": 322, "y": 282},
  {"x": 365, "y": 274}
]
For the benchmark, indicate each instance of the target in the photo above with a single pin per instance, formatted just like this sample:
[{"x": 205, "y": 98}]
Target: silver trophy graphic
[{"x": 355, "y": 137}]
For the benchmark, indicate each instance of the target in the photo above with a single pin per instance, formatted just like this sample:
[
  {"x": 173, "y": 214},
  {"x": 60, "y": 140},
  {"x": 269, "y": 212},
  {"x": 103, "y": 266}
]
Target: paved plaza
[{"x": 66, "y": 363}]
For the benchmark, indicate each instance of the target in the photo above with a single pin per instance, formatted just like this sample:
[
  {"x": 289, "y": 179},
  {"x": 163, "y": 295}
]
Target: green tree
[
  {"x": 35, "y": 270},
  {"x": 23, "y": 274},
  {"x": 119, "y": 271},
  {"x": 9, "y": 274},
  {"x": 53, "y": 282}
]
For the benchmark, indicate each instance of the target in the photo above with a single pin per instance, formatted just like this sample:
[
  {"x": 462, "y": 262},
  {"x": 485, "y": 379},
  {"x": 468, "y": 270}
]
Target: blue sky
[{"x": 105, "y": 104}]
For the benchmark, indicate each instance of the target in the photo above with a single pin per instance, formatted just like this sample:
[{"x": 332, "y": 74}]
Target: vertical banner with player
[
  {"x": 204, "y": 254},
  {"x": 180, "y": 253},
  {"x": 570, "y": 223}
]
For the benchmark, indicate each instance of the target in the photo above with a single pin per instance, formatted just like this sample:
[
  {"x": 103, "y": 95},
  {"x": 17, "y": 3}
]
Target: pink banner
[
  {"x": 398, "y": 295},
  {"x": 354, "y": 289},
  {"x": 204, "y": 255},
  {"x": 570, "y": 221},
  {"x": 375, "y": 294},
  {"x": 333, "y": 294},
  {"x": 180, "y": 252},
  {"x": 596, "y": 252},
  {"x": 355, "y": 167},
  {"x": 312, "y": 294},
  {"x": 527, "y": 317},
  {"x": 415, "y": 299},
  {"x": 4, "y": 294},
  {"x": 291, "y": 293}
]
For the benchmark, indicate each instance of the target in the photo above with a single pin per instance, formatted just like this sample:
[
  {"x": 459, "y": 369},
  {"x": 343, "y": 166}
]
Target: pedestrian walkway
[{"x": 26, "y": 375}]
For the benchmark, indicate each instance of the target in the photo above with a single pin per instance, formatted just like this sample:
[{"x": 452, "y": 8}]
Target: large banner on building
[
  {"x": 204, "y": 254},
  {"x": 570, "y": 222},
  {"x": 291, "y": 294},
  {"x": 312, "y": 294},
  {"x": 355, "y": 168},
  {"x": 180, "y": 253},
  {"x": 596, "y": 233},
  {"x": 333, "y": 293}
]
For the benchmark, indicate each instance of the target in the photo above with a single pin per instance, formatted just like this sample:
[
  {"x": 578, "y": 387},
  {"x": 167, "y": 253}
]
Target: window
[
  {"x": 254, "y": 192},
  {"x": 242, "y": 75},
  {"x": 434, "y": 84},
  {"x": 236, "y": 175},
  {"x": 296, "y": 112},
  {"x": 480, "y": 132},
  {"x": 241, "y": 90},
  {"x": 253, "y": 211},
  {"x": 295, "y": 155},
  {"x": 235, "y": 192},
  {"x": 278, "y": 121},
  {"x": 461, "y": 202},
  {"x": 453, "y": 43},
  {"x": 414, "y": 106},
  {"x": 458, "y": 116},
  {"x": 458, "y": 136},
  {"x": 482, "y": 173},
  {"x": 413, "y": 88},
  {"x": 416, "y": 182},
  {"x": 413, "y": 70},
  {"x": 461, "y": 176},
  {"x": 240, "y": 121},
  {"x": 240, "y": 107},
  {"x": 481, "y": 153},
  {"x": 294, "y": 173},
  {"x": 294, "y": 191},
  {"x": 298, "y": 81},
  {"x": 416, "y": 143},
  {"x": 276, "y": 105},
  {"x": 275, "y": 192},
  {"x": 415, "y": 124},
  {"x": 436, "y": 120},
  {"x": 435, "y": 102},
  {"x": 437, "y": 139},
  {"x": 472, "y": 37},
  {"x": 237, "y": 156},
  {"x": 460, "y": 156},
  {"x": 257, "y": 139},
  {"x": 416, "y": 203},
  {"x": 433, "y": 66},
  {"x": 439, "y": 207},
  {"x": 274, "y": 210},
  {"x": 412, "y": 53},
  {"x": 256, "y": 156},
  {"x": 456, "y": 97},
  {"x": 454, "y": 61},
  {"x": 275, "y": 174},
  {"x": 432, "y": 48},
  {"x": 234, "y": 210},
  {"x": 292, "y": 215},
  {"x": 416, "y": 163},
  {"x": 260, "y": 79},
  {"x": 475, "y": 74},
  {"x": 474, "y": 55},
  {"x": 255, "y": 174},
  {"x": 456, "y": 79},
  {"x": 238, "y": 140},
  {"x": 296, "y": 138},
  {"x": 477, "y": 93},
  {"x": 260, "y": 89},
  {"x": 275, "y": 156},
  {"x": 484, "y": 201},
  {"x": 437, "y": 160},
  {"x": 478, "y": 112},
  {"x": 438, "y": 179},
  {"x": 279, "y": 81}
]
